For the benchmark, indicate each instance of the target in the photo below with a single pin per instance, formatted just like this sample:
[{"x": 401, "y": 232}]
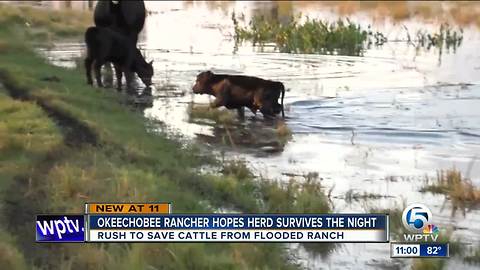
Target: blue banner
[
  {"x": 60, "y": 228},
  {"x": 434, "y": 250},
  {"x": 240, "y": 221}
]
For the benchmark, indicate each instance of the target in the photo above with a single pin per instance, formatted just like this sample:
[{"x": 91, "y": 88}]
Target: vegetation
[
  {"x": 446, "y": 37},
  {"x": 230, "y": 130},
  {"x": 353, "y": 196},
  {"x": 200, "y": 111},
  {"x": 63, "y": 143},
  {"x": 475, "y": 257},
  {"x": 313, "y": 36},
  {"x": 341, "y": 37},
  {"x": 458, "y": 189},
  {"x": 428, "y": 264}
]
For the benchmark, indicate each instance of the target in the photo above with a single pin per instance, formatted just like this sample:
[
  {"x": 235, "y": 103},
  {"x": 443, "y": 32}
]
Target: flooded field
[{"x": 375, "y": 124}]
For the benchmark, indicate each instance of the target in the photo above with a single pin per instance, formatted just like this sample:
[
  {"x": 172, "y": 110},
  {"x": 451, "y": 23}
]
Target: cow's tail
[{"x": 283, "y": 95}]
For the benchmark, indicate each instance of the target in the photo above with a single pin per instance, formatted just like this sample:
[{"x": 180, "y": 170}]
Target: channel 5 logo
[{"x": 416, "y": 217}]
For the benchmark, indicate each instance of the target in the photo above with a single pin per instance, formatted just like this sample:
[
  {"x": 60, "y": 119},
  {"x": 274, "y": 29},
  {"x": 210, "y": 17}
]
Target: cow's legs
[
  {"x": 129, "y": 77},
  {"x": 88, "y": 68},
  {"x": 223, "y": 97},
  {"x": 108, "y": 76},
  {"x": 118, "y": 73},
  {"x": 241, "y": 113},
  {"x": 267, "y": 111},
  {"x": 97, "y": 69},
  {"x": 218, "y": 102}
]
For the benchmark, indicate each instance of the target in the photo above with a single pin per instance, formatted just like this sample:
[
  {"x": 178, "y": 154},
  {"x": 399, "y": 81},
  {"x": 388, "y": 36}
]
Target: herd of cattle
[{"x": 114, "y": 37}]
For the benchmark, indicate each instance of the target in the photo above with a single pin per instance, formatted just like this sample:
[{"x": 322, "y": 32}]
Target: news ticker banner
[
  {"x": 147, "y": 223},
  {"x": 418, "y": 250}
]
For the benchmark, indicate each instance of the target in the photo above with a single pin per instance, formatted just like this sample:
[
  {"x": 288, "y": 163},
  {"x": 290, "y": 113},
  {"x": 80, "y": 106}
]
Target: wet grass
[
  {"x": 446, "y": 37},
  {"x": 458, "y": 189},
  {"x": 201, "y": 111},
  {"x": 312, "y": 36},
  {"x": 229, "y": 129},
  {"x": 473, "y": 258},
  {"x": 237, "y": 168},
  {"x": 64, "y": 143},
  {"x": 344, "y": 37},
  {"x": 353, "y": 196}
]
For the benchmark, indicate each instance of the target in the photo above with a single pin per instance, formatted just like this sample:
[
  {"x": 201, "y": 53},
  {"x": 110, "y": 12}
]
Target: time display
[
  {"x": 405, "y": 250},
  {"x": 419, "y": 250}
]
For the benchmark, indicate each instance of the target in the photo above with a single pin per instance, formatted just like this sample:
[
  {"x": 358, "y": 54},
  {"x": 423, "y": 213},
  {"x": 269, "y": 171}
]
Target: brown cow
[{"x": 237, "y": 91}]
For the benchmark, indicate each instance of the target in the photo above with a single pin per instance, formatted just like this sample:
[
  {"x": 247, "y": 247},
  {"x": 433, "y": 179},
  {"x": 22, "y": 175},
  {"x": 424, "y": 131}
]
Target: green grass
[
  {"x": 344, "y": 37},
  {"x": 65, "y": 143},
  {"x": 312, "y": 36}
]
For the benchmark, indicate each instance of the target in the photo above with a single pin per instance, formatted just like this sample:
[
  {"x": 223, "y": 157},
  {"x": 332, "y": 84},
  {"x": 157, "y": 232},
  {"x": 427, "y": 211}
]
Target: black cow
[
  {"x": 105, "y": 45},
  {"x": 126, "y": 17}
]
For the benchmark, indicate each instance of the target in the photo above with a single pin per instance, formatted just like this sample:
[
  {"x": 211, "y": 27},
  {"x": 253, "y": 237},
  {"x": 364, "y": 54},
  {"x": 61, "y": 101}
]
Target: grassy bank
[{"x": 65, "y": 143}]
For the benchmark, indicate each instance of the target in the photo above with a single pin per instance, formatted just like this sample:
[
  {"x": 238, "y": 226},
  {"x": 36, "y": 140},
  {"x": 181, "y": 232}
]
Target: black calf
[{"x": 105, "y": 45}]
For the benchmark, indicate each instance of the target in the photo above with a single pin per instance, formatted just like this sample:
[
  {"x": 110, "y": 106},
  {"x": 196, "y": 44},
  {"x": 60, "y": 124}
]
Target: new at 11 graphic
[{"x": 421, "y": 242}]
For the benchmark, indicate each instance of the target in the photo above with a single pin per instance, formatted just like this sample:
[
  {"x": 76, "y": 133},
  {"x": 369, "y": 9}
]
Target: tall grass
[
  {"x": 446, "y": 37},
  {"x": 344, "y": 37},
  {"x": 312, "y": 36},
  {"x": 458, "y": 189}
]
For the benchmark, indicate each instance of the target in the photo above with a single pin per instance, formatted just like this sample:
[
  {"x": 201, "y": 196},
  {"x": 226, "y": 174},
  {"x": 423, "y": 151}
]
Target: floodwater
[{"x": 374, "y": 124}]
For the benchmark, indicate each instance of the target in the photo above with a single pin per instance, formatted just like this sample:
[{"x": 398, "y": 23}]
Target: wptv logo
[{"x": 417, "y": 219}]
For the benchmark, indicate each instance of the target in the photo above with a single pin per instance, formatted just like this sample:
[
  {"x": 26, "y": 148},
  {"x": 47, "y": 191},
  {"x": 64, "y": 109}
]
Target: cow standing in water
[
  {"x": 238, "y": 91},
  {"x": 125, "y": 17}
]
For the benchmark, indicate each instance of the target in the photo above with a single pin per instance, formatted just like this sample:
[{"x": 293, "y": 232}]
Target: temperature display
[
  {"x": 419, "y": 250},
  {"x": 433, "y": 250}
]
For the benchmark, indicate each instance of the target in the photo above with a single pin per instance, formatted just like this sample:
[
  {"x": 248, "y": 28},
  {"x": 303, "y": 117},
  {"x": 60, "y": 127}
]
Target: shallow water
[{"x": 375, "y": 124}]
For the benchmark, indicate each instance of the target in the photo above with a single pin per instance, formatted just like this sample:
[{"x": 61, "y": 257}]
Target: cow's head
[
  {"x": 145, "y": 72},
  {"x": 202, "y": 85}
]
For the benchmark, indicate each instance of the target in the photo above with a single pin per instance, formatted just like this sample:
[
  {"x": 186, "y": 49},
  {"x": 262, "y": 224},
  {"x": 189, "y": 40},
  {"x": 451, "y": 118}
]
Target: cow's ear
[{"x": 150, "y": 63}]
